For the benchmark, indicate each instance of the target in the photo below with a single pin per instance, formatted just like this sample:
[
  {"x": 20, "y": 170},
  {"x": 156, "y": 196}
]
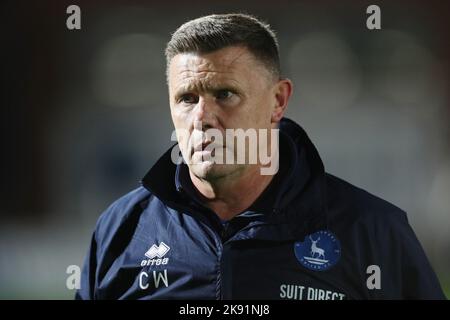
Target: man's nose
[{"x": 205, "y": 114}]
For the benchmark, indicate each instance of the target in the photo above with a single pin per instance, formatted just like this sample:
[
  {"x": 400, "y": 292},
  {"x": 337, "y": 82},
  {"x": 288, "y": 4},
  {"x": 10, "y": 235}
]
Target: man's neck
[{"x": 229, "y": 196}]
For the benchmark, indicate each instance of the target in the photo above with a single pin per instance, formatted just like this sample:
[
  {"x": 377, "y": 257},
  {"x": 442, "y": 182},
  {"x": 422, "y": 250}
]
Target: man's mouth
[{"x": 201, "y": 148}]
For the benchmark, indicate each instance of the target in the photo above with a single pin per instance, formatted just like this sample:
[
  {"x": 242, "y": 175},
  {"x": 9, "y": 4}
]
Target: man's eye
[
  {"x": 224, "y": 94},
  {"x": 188, "y": 98}
]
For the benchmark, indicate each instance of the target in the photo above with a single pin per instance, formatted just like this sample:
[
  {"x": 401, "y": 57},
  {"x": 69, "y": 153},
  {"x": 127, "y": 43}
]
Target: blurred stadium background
[{"x": 85, "y": 114}]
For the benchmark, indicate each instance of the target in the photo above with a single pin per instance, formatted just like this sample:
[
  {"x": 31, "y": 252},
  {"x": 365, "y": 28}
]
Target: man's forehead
[{"x": 224, "y": 61}]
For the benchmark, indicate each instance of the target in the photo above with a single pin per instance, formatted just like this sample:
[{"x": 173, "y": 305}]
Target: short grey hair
[{"x": 214, "y": 32}]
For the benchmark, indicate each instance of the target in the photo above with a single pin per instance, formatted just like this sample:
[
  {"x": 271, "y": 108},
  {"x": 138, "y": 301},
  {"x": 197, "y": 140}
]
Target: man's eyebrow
[{"x": 209, "y": 88}]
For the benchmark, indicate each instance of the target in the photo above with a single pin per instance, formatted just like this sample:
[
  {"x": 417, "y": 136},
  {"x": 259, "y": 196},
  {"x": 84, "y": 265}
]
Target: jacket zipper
[{"x": 218, "y": 238}]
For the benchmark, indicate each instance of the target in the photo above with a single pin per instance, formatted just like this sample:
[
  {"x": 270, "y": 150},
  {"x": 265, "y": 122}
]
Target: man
[{"x": 206, "y": 229}]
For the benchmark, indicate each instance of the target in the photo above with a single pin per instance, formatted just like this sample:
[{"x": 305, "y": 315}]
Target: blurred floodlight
[
  {"x": 129, "y": 70},
  {"x": 405, "y": 70},
  {"x": 325, "y": 71}
]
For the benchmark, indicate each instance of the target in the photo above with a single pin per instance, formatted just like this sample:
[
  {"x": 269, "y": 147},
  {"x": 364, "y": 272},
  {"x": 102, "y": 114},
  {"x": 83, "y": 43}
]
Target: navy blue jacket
[{"x": 309, "y": 236}]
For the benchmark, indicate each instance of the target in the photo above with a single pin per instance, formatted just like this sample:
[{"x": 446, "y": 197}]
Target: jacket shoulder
[
  {"x": 127, "y": 207},
  {"x": 377, "y": 229},
  {"x": 360, "y": 204}
]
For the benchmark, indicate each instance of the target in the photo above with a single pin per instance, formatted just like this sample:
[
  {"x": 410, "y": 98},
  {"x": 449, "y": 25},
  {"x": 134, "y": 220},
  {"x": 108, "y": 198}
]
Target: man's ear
[{"x": 283, "y": 91}]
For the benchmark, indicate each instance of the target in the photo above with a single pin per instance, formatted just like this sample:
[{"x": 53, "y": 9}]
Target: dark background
[{"x": 84, "y": 114}]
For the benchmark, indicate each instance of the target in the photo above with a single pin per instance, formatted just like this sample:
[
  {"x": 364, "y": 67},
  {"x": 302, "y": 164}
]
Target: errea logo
[{"x": 158, "y": 251}]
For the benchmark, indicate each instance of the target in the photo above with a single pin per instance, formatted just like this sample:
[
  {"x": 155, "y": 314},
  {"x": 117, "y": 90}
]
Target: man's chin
[{"x": 209, "y": 170}]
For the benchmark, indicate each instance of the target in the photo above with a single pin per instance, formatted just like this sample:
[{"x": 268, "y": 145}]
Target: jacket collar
[{"x": 294, "y": 203}]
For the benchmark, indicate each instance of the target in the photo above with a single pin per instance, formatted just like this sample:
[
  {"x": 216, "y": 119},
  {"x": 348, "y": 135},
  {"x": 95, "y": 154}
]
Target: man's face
[{"x": 226, "y": 89}]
